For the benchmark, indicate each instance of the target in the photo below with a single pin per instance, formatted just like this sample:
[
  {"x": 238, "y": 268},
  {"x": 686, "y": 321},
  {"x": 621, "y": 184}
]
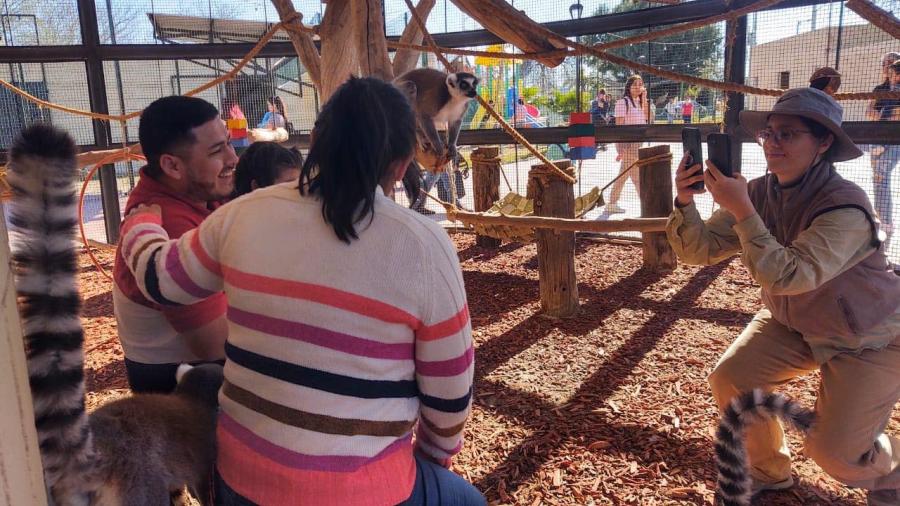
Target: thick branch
[
  {"x": 567, "y": 224},
  {"x": 504, "y": 21},
  {"x": 339, "y": 59},
  {"x": 405, "y": 59},
  {"x": 877, "y": 16},
  {"x": 368, "y": 26},
  {"x": 302, "y": 42}
]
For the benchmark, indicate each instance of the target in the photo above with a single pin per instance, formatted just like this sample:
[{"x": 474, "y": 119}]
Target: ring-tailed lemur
[
  {"x": 439, "y": 98},
  {"x": 734, "y": 482},
  {"x": 140, "y": 450}
]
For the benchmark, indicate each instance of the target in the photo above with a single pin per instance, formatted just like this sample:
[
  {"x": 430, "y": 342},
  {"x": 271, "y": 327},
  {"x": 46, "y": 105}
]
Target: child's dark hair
[
  {"x": 263, "y": 163},
  {"x": 820, "y": 83},
  {"x": 166, "y": 125},
  {"x": 279, "y": 105},
  {"x": 627, "y": 95},
  {"x": 364, "y": 128}
]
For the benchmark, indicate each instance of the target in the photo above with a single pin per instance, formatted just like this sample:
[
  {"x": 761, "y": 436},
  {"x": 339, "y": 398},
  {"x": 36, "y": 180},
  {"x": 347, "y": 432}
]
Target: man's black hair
[{"x": 166, "y": 125}]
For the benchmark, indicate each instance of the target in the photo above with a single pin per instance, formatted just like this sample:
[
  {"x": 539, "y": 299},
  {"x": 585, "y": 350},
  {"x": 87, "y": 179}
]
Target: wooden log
[
  {"x": 339, "y": 59},
  {"x": 405, "y": 59},
  {"x": 22, "y": 477},
  {"x": 555, "y": 197},
  {"x": 486, "y": 186},
  {"x": 505, "y": 21},
  {"x": 656, "y": 202},
  {"x": 89, "y": 158},
  {"x": 371, "y": 46},
  {"x": 877, "y": 16},
  {"x": 302, "y": 42},
  {"x": 562, "y": 224}
]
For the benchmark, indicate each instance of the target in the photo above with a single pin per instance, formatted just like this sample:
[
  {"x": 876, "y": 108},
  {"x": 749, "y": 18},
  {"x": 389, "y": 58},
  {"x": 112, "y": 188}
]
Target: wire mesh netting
[
  {"x": 59, "y": 83},
  {"x": 132, "y": 85},
  {"x": 787, "y": 46},
  {"x": 39, "y": 23},
  {"x": 193, "y": 21},
  {"x": 598, "y": 172},
  {"x": 446, "y": 17}
]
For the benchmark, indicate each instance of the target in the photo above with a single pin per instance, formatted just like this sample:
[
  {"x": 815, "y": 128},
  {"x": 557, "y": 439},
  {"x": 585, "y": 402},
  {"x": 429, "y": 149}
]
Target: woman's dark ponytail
[{"x": 363, "y": 129}]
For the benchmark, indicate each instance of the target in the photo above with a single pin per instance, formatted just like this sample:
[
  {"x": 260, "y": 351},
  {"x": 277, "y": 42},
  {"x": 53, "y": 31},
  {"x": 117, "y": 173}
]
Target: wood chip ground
[{"x": 609, "y": 407}]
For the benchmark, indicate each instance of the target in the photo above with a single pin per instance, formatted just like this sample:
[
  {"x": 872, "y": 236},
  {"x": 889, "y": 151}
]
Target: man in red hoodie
[{"x": 189, "y": 173}]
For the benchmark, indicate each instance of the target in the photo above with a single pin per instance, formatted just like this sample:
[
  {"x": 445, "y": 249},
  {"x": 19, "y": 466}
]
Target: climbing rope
[{"x": 116, "y": 156}]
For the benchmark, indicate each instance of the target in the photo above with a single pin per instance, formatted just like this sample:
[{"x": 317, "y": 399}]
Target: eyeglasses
[{"x": 780, "y": 136}]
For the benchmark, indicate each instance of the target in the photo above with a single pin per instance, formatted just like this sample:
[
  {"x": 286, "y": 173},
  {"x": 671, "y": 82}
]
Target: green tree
[{"x": 696, "y": 52}]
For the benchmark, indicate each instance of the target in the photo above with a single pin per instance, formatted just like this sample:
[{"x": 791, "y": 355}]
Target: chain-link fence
[{"x": 784, "y": 47}]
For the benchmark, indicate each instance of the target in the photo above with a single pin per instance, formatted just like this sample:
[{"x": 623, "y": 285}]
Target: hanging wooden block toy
[
  {"x": 237, "y": 127},
  {"x": 582, "y": 140}
]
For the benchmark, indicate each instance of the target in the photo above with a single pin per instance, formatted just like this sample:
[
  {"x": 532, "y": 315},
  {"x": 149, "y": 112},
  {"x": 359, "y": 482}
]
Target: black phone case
[
  {"x": 690, "y": 140},
  {"x": 719, "y": 151}
]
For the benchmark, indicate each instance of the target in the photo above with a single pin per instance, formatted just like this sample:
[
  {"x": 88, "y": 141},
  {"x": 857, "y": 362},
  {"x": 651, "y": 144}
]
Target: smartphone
[
  {"x": 690, "y": 140},
  {"x": 718, "y": 147}
]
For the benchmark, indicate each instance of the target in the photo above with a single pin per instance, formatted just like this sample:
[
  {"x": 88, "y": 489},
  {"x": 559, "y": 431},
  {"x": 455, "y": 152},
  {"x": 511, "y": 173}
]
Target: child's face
[{"x": 895, "y": 77}]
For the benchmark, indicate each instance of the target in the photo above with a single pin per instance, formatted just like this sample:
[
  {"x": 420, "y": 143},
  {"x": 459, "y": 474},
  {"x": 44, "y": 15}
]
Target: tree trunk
[
  {"x": 486, "y": 187},
  {"x": 656, "y": 202},
  {"x": 339, "y": 59},
  {"x": 555, "y": 197},
  {"x": 495, "y": 16},
  {"x": 405, "y": 59},
  {"x": 303, "y": 43},
  {"x": 371, "y": 45}
]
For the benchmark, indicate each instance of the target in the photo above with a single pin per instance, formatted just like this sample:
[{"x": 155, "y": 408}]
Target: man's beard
[{"x": 205, "y": 191}]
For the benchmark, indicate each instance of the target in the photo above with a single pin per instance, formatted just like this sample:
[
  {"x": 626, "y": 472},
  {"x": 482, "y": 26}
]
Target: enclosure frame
[{"x": 94, "y": 54}]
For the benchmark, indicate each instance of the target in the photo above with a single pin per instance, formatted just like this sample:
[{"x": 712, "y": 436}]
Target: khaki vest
[{"x": 857, "y": 299}]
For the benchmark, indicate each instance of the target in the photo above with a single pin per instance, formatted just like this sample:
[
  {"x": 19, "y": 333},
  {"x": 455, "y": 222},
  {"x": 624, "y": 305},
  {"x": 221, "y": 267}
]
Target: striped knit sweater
[{"x": 334, "y": 352}]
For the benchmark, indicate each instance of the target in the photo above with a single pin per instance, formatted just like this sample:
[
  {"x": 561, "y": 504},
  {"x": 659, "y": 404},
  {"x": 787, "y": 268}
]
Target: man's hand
[
  {"x": 729, "y": 192},
  {"x": 685, "y": 176},
  {"x": 152, "y": 209}
]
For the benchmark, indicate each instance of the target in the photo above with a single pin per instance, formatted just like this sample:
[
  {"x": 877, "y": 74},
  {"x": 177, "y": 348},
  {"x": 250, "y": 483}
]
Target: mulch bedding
[{"x": 609, "y": 407}]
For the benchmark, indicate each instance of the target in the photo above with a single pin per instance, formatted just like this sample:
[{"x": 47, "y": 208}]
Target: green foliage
[
  {"x": 561, "y": 102},
  {"x": 530, "y": 93},
  {"x": 695, "y": 53}
]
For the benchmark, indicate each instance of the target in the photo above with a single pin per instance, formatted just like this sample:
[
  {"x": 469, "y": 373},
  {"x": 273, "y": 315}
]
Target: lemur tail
[
  {"x": 734, "y": 483},
  {"x": 43, "y": 215}
]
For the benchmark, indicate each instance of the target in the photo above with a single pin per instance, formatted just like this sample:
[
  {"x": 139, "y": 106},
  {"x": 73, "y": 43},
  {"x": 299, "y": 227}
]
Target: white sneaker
[
  {"x": 613, "y": 209},
  {"x": 762, "y": 486}
]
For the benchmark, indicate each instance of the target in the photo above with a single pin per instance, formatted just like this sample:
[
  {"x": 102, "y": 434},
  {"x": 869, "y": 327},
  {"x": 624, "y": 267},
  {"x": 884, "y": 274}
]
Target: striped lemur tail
[
  {"x": 43, "y": 213},
  {"x": 734, "y": 484}
]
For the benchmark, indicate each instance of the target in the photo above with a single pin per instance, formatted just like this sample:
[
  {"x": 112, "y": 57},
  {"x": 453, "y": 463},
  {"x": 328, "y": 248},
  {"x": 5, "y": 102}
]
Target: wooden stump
[
  {"x": 554, "y": 197},
  {"x": 656, "y": 202},
  {"x": 486, "y": 187}
]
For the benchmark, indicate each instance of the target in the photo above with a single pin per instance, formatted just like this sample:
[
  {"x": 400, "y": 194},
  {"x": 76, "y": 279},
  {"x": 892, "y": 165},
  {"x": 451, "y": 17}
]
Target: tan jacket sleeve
[
  {"x": 834, "y": 242},
  {"x": 702, "y": 243}
]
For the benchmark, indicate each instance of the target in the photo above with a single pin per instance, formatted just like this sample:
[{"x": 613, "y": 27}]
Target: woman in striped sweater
[{"x": 348, "y": 323}]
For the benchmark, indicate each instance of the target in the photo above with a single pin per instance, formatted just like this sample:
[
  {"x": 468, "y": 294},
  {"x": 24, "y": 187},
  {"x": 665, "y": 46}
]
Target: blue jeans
[
  {"x": 154, "y": 378},
  {"x": 443, "y": 187},
  {"x": 886, "y": 164},
  {"x": 435, "y": 486}
]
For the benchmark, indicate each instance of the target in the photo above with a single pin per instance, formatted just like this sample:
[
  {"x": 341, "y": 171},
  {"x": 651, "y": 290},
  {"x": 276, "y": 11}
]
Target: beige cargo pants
[{"x": 856, "y": 396}]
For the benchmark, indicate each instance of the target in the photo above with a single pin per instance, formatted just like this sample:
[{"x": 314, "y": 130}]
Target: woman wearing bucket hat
[{"x": 811, "y": 240}]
